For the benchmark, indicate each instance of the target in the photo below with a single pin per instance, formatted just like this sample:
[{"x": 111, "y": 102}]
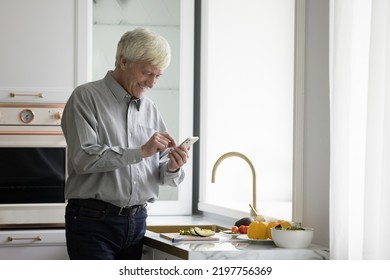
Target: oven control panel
[{"x": 31, "y": 114}]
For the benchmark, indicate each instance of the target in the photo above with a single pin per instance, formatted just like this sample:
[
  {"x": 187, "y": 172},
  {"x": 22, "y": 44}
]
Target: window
[{"x": 247, "y": 106}]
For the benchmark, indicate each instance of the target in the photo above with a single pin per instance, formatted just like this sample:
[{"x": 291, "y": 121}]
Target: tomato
[
  {"x": 243, "y": 229},
  {"x": 234, "y": 229}
]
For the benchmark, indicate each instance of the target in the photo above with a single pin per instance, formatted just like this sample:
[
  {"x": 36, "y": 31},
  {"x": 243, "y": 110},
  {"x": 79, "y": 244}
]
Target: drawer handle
[
  {"x": 37, "y": 238},
  {"x": 13, "y": 94}
]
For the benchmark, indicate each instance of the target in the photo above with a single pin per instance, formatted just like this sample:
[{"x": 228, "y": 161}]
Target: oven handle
[
  {"x": 31, "y": 133},
  {"x": 37, "y": 238}
]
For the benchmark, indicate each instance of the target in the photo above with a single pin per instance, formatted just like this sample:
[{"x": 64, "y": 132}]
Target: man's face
[{"x": 137, "y": 77}]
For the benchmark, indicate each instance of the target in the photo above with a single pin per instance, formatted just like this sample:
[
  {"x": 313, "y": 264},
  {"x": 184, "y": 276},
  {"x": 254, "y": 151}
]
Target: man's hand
[
  {"x": 177, "y": 158},
  {"x": 157, "y": 143}
]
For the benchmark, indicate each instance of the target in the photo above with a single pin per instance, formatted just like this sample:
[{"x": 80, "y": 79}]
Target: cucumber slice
[
  {"x": 204, "y": 232},
  {"x": 192, "y": 231}
]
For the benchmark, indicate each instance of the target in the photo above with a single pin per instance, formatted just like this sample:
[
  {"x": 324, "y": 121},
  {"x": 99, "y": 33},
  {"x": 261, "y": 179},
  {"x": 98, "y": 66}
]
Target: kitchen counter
[
  {"x": 157, "y": 247},
  {"x": 225, "y": 247}
]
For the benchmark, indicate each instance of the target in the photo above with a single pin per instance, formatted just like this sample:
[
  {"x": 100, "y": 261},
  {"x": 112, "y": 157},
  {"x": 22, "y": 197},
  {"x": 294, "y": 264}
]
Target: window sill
[{"x": 271, "y": 210}]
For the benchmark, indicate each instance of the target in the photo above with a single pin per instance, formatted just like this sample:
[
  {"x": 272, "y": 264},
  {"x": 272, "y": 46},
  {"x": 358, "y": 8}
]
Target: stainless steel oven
[{"x": 32, "y": 164}]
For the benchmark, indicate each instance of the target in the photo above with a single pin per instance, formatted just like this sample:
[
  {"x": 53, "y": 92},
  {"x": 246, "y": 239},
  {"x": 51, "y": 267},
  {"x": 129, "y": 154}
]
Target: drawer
[{"x": 32, "y": 237}]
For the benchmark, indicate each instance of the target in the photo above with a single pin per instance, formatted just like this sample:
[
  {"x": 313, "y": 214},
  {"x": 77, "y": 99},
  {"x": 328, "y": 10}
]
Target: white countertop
[{"x": 225, "y": 247}]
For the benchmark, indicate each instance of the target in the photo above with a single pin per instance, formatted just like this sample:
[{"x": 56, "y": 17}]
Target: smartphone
[{"x": 189, "y": 141}]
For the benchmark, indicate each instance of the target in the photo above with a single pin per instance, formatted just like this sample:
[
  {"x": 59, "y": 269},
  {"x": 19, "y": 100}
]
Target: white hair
[{"x": 144, "y": 44}]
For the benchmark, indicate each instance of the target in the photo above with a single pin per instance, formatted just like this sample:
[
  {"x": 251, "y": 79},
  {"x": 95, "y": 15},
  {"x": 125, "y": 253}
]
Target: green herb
[
  {"x": 289, "y": 228},
  {"x": 185, "y": 232}
]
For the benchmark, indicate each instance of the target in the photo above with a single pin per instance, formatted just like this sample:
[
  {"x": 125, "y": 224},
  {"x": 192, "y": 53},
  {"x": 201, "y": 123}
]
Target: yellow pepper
[{"x": 257, "y": 230}]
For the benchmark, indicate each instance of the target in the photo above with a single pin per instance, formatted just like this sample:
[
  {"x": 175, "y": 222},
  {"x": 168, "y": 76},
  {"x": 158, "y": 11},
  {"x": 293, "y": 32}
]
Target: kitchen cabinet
[
  {"x": 147, "y": 253},
  {"x": 44, "y": 49},
  {"x": 150, "y": 253},
  {"x": 37, "y": 244},
  {"x": 160, "y": 255}
]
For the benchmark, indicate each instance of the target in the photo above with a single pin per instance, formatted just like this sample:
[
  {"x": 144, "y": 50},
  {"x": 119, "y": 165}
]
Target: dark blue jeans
[{"x": 94, "y": 235}]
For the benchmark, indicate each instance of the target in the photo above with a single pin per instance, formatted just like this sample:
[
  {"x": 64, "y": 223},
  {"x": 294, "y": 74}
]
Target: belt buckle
[{"x": 131, "y": 210}]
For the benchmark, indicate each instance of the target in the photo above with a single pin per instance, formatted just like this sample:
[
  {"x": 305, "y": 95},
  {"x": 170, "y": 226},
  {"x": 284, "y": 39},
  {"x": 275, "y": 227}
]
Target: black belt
[{"x": 108, "y": 207}]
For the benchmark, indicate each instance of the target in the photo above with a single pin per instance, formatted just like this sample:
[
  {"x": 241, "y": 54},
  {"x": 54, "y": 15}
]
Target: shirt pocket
[{"x": 141, "y": 134}]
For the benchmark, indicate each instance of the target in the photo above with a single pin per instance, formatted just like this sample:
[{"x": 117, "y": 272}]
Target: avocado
[{"x": 244, "y": 221}]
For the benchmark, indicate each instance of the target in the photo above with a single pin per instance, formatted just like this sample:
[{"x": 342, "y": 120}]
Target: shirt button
[{"x": 134, "y": 183}]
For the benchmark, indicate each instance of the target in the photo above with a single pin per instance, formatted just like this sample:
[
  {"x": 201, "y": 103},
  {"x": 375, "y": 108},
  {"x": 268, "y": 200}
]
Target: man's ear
[{"x": 123, "y": 62}]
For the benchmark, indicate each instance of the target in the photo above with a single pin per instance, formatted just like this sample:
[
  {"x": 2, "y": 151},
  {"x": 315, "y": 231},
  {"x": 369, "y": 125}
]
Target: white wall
[{"x": 316, "y": 138}]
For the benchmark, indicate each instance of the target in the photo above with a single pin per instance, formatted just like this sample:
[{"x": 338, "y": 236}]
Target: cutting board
[{"x": 176, "y": 237}]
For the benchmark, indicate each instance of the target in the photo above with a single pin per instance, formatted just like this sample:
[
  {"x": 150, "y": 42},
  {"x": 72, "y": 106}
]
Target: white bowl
[{"x": 292, "y": 239}]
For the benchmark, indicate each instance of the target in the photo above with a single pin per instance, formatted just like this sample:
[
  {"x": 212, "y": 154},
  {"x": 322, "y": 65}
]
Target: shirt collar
[{"x": 117, "y": 90}]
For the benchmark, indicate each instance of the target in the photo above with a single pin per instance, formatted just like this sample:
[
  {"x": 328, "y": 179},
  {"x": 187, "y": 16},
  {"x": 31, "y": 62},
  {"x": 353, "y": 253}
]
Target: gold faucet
[{"x": 236, "y": 154}]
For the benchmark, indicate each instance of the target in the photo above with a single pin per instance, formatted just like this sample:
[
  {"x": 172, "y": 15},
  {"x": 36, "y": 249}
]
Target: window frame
[{"x": 298, "y": 114}]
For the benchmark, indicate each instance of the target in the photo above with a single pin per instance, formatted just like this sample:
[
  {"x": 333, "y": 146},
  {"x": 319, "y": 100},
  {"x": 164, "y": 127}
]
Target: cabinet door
[
  {"x": 34, "y": 253},
  {"x": 39, "y": 51},
  {"x": 147, "y": 253},
  {"x": 160, "y": 255}
]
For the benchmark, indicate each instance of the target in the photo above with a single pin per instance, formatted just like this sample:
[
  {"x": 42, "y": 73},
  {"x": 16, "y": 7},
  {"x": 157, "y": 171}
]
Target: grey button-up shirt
[{"x": 104, "y": 134}]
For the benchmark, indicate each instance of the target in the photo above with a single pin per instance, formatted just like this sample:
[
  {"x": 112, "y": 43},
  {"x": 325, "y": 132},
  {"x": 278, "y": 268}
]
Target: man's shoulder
[
  {"x": 90, "y": 86},
  {"x": 89, "y": 89}
]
